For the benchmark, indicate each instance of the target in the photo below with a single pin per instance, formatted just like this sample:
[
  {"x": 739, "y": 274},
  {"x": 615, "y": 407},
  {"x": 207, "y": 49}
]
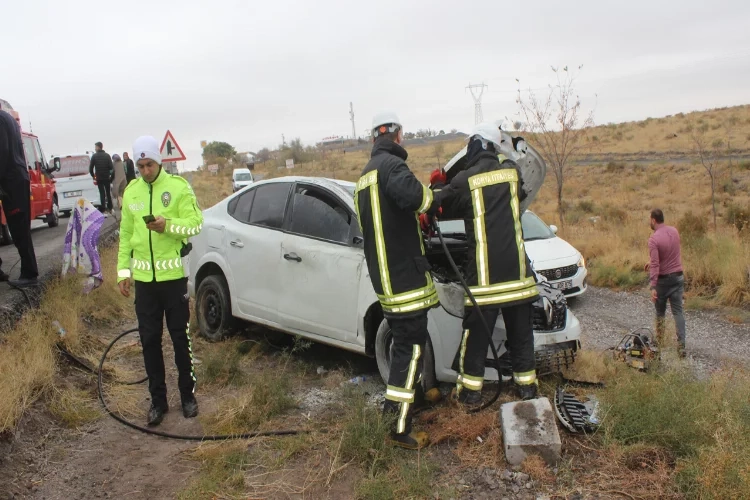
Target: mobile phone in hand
[{"x": 148, "y": 218}]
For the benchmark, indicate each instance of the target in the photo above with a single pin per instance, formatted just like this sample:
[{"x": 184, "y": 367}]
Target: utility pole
[
  {"x": 476, "y": 92},
  {"x": 351, "y": 115},
  {"x": 283, "y": 140}
]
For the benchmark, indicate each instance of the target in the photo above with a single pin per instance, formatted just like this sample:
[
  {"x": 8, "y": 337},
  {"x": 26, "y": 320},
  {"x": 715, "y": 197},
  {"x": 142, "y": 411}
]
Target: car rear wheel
[
  {"x": 213, "y": 308},
  {"x": 383, "y": 343},
  {"x": 53, "y": 219}
]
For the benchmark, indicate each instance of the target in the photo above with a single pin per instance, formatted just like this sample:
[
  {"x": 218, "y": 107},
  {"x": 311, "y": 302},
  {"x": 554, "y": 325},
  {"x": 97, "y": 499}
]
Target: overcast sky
[{"x": 247, "y": 72}]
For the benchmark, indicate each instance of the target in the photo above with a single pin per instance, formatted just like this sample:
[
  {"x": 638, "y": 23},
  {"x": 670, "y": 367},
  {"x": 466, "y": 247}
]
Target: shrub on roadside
[
  {"x": 692, "y": 226},
  {"x": 738, "y": 216}
]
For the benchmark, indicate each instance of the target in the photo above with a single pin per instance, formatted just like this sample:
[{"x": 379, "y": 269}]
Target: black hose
[
  {"x": 487, "y": 329},
  {"x": 130, "y": 424}
]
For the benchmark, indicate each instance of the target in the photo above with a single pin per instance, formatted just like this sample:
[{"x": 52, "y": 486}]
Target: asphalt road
[{"x": 48, "y": 245}]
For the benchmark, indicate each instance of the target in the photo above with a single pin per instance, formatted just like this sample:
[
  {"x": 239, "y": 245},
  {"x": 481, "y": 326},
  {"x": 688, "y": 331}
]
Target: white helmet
[
  {"x": 490, "y": 132},
  {"x": 384, "y": 123}
]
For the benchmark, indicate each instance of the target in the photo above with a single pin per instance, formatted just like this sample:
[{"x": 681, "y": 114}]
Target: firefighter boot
[
  {"x": 189, "y": 407},
  {"x": 156, "y": 414},
  {"x": 526, "y": 391},
  {"x": 409, "y": 439},
  {"x": 424, "y": 400},
  {"x": 467, "y": 398}
]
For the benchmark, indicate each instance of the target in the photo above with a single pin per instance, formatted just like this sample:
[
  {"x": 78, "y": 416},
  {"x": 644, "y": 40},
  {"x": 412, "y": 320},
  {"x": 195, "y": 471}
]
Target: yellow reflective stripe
[
  {"x": 491, "y": 178},
  {"x": 525, "y": 378},
  {"x": 464, "y": 339},
  {"x": 356, "y": 211},
  {"x": 399, "y": 394},
  {"x": 163, "y": 265},
  {"x": 481, "y": 237},
  {"x": 123, "y": 273},
  {"x": 426, "y": 199},
  {"x": 519, "y": 231},
  {"x": 141, "y": 265},
  {"x": 501, "y": 158},
  {"x": 416, "y": 352},
  {"x": 185, "y": 230},
  {"x": 422, "y": 304},
  {"x": 380, "y": 239},
  {"x": 408, "y": 296},
  {"x": 503, "y": 298},
  {"x": 367, "y": 180},
  {"x": 471, "y": 382},
  {"x": 504, "y": 287}
]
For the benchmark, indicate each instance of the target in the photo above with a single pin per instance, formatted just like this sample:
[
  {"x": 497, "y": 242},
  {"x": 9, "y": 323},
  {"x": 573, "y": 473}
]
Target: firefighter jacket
[
  {"x": 156, "y": 256},
  {"x": 486, "y": 196},
  {"x": 388, "y": 199}
]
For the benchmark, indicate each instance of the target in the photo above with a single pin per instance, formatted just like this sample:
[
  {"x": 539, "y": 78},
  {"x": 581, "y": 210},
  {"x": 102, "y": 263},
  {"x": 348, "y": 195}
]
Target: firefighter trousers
[
  {"x": 474, "y": 344},
  {"x": 153, "y": 302},
  {"x": 409, "y": 338}
]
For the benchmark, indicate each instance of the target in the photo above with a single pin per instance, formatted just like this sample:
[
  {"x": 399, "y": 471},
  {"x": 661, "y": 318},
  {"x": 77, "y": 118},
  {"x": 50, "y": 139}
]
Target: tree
[
  {"x": 558, "y": 126},
  {"x": 217, "y": 149},
  {"x": 409, "y": 135},
  {"x": 454, "y": 131},
  {"x": 263, "y": 155},
  {"x": 442, "y": 132},
  {"x": 708, "y": 154},
  {"x": 439, "y": 150}
]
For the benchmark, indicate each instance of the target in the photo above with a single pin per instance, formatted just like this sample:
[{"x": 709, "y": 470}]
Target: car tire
[
  {"x": 383, "y": 340},
  {"x": 65, "y": 213},
  {"x": 53, "y": 219},
  {"x": 213, "y": 308}
]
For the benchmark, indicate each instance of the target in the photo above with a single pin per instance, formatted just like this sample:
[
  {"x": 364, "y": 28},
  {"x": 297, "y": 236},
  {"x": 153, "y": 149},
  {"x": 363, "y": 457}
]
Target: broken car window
[{"x": 319, "y": 215}]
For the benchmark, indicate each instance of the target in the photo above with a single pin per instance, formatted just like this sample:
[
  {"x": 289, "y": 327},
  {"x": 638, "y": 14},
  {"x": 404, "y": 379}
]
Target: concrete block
[{"x": 529, "y": 428}]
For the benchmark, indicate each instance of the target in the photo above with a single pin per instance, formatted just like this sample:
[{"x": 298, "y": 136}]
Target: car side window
[
  {"x": 318, "y": 214},
  {"x": 40, "y": 155},
  {"x": 269, "y": 204},
  {"x": 239, "y": 207},
  {"x": 28, "y": 149}
]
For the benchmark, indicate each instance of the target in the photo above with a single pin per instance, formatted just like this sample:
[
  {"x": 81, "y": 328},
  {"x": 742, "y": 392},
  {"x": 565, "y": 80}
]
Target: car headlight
[{"x": 582, "y": 262}]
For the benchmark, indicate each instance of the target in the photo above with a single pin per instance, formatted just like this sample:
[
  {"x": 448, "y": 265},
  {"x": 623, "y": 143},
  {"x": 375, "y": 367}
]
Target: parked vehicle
[
  {"x": 44, "y": 203},
  {"x": 74, "y": 182},
  {"x": 553, "y": 257},
  {"x": 241, "y": 177},
  {"x": 287, "y": 253}
]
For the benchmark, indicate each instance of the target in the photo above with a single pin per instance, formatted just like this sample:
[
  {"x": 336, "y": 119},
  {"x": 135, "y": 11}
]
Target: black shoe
[
  {"x": 24, "y": 282},
  {"x": 526, "y": 392},
  {"x": 467, "y": 398},
  {"x": 190, "y": 408},
  {"x": 156, "y": 415}
]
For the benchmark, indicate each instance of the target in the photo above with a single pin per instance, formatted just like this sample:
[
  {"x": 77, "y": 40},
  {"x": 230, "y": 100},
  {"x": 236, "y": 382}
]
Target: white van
[
  {"x": 241, "y": 177},
  {"x": 73, "y": 181}
]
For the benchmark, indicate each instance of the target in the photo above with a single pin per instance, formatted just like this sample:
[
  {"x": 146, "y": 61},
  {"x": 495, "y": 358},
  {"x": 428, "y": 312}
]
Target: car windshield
[
  {"x": 534, "y": 228},
  {"x": 243, "y": 177},
  {"x": 71, "y": 166}
]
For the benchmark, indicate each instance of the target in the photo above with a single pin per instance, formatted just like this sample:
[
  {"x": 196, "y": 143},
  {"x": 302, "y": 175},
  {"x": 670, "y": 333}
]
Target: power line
[{"x": 476, "y": 92}]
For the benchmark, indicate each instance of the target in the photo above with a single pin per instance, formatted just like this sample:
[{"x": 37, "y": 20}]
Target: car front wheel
[
  {"x": 53, "y": 219},
  {"x": 214, "y": 309},
  {"x": 383, "y": 343}
]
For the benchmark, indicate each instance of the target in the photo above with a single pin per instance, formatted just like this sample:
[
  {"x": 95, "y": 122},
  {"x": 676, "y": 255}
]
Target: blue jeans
[{"x": 670, "y": 289}]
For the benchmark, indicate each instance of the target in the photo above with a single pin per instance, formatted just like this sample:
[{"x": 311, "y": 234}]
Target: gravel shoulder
[{"x": 607, "y": 315}]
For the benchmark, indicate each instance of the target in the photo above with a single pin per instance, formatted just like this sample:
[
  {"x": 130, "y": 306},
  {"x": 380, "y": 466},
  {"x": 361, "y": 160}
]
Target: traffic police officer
[
  {"x": 487, "y": 194},
  {"x": 388, "y": 200},
  {"x": 159, "y": 214}
]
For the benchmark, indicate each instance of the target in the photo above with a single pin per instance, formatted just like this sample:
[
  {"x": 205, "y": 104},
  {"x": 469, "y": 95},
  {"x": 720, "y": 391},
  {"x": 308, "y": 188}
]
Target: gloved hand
[
  {"x": 438, "y": 177},
  {"x": 425, "y": 220}
]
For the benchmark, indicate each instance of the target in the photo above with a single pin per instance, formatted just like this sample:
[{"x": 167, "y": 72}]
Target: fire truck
[{"x": 44, "y": 203}]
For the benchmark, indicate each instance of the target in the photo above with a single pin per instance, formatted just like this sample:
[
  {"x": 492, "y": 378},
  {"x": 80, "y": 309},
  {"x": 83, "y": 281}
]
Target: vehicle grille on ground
[
  {"x": 549, "y": 360},
  {"x": 559, "y": 315},
  {"x": 564, "y": 272}
]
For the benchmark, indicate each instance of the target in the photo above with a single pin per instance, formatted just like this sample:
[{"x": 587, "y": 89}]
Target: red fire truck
[{"x": 43, "y": 195}]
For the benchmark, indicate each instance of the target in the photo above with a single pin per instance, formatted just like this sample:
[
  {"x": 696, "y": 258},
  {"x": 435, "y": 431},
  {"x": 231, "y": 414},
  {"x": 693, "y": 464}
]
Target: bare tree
[
  {"x": 558, "y": 125},
  {"x": 439, "y": 150},
  {"x": 708, "y": 153}
]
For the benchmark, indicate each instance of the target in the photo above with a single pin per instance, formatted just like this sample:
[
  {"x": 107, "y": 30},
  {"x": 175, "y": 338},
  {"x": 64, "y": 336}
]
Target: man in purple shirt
[{"x": 666, "y": 278}]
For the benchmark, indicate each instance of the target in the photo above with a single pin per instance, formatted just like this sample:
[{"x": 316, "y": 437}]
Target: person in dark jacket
[
  {"x": 487, "y": 194},
  {"x": 129, "y": 168},
  {"x": 388, "y": 198},
  {"x": 102, "y": 169},
  {"x": 15, "y": 191}
]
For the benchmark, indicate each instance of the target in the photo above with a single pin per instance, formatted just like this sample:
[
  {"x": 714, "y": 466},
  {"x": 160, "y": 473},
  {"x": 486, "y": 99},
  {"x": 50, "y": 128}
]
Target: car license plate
[
  {"x": 72, "y": 194},
  {"x": 563, "y": 285}
]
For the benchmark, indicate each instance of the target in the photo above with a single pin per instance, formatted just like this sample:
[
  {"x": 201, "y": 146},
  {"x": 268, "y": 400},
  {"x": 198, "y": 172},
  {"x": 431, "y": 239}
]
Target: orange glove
[
  {"x": 438, "y": 177},
  {"x": 425, "y": 220}
]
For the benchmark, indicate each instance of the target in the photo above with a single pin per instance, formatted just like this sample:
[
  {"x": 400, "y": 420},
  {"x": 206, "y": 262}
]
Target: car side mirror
[
  {"x": 553, "y": 228},
  {"x": 358, "y": 240},
  {"x": 56, "y": 164}
]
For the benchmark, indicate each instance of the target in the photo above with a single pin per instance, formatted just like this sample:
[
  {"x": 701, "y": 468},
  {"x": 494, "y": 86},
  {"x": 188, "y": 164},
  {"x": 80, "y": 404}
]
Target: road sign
[
  {"x": 290, "y": 163},
  {"x": 203, "y": 144},
  {"x": 213, "y": 168},
  {"x": 170, "y": 150}
]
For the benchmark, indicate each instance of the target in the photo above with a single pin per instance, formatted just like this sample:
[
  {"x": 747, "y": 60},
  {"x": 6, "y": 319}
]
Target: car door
[
  {"x": 253, "y": 248},
  {"x": 321, "y": 265},
  {"x": 37, "y": 196}
]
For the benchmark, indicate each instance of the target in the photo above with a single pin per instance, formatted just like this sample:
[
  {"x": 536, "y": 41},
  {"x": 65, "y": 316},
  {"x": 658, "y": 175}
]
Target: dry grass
[
  {"x": 73, "y": 407},
  {"x": 537, "y": 468},
  {"x": 28, "y": 354}
]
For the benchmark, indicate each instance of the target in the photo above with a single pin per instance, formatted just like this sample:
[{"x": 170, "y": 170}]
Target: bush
[
  {"x": 614, "y": 167},
  {"x": 738, "y": 216},
  {"x": 586, "y": 206},
  {"x": 692, "y": 227},
  {"x": 611, "y": 276},
  {"x": 614, "y": 214}
]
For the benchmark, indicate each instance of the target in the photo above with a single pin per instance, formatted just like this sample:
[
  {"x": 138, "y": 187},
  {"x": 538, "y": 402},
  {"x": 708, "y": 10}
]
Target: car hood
[
  {"x": 543, "y": 253},
  {"x": 530, "y": 162}
]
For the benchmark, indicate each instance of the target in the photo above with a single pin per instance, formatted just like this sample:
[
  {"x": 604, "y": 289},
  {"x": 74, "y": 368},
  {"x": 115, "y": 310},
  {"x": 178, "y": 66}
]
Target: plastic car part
[{"x": 577, "y": 416}]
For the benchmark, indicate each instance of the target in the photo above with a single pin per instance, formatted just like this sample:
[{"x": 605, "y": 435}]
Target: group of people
[{"x": 110, "y": 172}]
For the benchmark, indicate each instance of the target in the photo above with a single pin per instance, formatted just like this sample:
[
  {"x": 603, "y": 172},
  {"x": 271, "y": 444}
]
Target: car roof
[{"x": 337, "y": 186}]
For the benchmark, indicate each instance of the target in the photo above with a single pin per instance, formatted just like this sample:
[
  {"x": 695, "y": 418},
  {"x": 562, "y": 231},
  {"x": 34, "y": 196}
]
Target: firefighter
[
  {"x": 159, "y": 214},
  {"x": 388, "y": 200},
  {"x": 487, "y": 195}
]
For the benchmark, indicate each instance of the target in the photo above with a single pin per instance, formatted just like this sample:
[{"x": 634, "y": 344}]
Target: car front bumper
[{"x": 578, "y": 283}]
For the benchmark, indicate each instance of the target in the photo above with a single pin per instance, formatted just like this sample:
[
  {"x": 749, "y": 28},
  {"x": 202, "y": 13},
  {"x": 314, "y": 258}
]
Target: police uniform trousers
[
  {"x": 153, "y": 302},
  {"x": 474, "y": 344},
  {"x": 17, "y": 207},
  {"x": 404, "y": 381}
]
